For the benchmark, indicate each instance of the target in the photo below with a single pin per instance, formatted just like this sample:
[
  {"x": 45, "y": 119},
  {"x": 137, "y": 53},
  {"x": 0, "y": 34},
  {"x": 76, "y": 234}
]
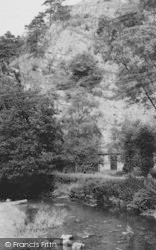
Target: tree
[
  {"x": 30, "y": 136},
  {"x": 82, "y": 134},
  {"x": 145, "y": 141},
  {"x": 149, "y": 5},
  {"x": 138, "y": 146},
  {"x": 62, "y": 13},
  {"x": 129, "y": 41},
  {"x": 35, "y": 32},
  {"x": 85, "y": 71},
  {"x": 130, "y": 151},
  {"x": 56, "y": 11},
  {"x": 10, "y": 46}
]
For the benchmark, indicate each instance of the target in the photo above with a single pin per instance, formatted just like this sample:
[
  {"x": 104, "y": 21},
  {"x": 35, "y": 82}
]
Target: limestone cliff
[
  {"x": 78, "y": 34},
  {"x": 66, "y": 39}
]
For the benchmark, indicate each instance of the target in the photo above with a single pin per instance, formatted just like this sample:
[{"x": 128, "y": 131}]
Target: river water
[{"x": 101, "y": 230}]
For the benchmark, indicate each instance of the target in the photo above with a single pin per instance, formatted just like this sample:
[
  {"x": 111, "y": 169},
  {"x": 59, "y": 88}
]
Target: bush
[
  {"x": 142, "y": 201},
  {"x": 138, "y": 147},
  {"x": 85, "y": 70},
  {"x": 104, "y": 190}
]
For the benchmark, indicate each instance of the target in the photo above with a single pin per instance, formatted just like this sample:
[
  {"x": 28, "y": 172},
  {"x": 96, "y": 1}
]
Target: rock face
[
  {"x": 67, "y": 240},
  {"x": 8, "y": 200},
  {"x": 67, "y": 237},
  {"x": 78, "y": 34},
  {"x": 77, "y": 246}
]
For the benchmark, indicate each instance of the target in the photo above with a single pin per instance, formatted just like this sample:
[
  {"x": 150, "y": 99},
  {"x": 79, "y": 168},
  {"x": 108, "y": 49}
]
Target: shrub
[
  {"x": 138, "y": 147},
  {"x": 142, "y": 201},
  {"x": 127, "y": 189},
  {"x": 85, "y": 70},
  {"x": 103, "y": 190}
]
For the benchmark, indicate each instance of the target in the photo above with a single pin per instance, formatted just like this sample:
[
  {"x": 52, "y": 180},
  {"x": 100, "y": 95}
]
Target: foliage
[
  {"x": 150, "y": 184},
  {"x": 149, "y": 5},
  {"x": 61, "y": 189},
  {"x": 129, "y": 41},
  {"x": 56, "y": 11},
  {"x": 130, "y": 152},
  {"x": 145, "y": 141},
  {"x": 10, "y": 46},
  {"x": 62, "y": 14},
  {"x": 30, "y": 135},
  {"x": 142, "y": 201},
  {"x": 138, "y": 146},
  {"x": 85, "y": 71},
  {"x": 43, "y": 221},
  {"x": 35, "y": 32},
  {"x": 121, "y": 188},
  {"x": 82, "y": 134},
  {"x": 104, "y": 191}
]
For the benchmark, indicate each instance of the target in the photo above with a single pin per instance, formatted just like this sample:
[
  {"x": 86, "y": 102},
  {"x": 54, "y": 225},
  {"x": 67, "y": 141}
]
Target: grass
[
  {"x": 61, "y": 190},
  {"x": 13, "y": 221},
  {"x": 44, "y": 221},
  {"x": 72, "y": 177}
]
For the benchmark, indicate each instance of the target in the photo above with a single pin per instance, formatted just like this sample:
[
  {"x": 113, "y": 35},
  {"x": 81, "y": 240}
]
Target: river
[{"x": 101, "y": 230}]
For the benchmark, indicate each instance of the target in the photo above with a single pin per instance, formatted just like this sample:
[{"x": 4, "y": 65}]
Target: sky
[{"x": 15, "y": 14}]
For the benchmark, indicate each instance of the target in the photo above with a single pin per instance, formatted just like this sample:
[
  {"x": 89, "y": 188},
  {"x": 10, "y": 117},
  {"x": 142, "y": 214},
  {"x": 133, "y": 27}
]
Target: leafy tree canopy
[
  {"x": 138, "y": 146},
  {"x": 35, "y": 32},
  {"x": 82, "y": 134},
  {"x": 30, "y": 135},
  {"x": 129, "y": 40},
  {"x": 10, "y": 46},
  {"x": 85, "y": 71},
  {"x": 149, "y": 5},
  {"x": 56, "y": 11}
]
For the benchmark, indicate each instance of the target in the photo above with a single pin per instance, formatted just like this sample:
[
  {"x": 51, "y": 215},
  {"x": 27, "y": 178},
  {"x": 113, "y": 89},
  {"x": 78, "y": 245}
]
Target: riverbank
[
  {"x": 110, "y": 190},
  {"x": 103, "y": 229},
  {"x": 95, "y": 227},
  {"x": 14, "y": 222}
]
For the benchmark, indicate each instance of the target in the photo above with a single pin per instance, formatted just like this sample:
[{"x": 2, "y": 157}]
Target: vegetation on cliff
[{"x": 79, "y": 72}]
